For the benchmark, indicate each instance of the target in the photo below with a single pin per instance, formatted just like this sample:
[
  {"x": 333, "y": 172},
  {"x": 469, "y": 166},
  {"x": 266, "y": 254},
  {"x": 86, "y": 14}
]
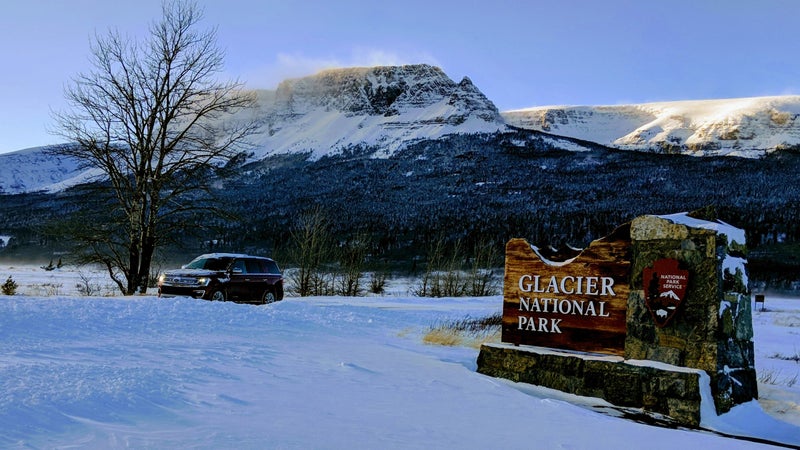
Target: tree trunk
[
  {"x": 133, "y": 268},
  {"x": 148, "y": 247}
]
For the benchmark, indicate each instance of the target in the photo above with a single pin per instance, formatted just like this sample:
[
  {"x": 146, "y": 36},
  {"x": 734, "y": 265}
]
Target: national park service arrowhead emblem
[{"x": 664, "y": 289}]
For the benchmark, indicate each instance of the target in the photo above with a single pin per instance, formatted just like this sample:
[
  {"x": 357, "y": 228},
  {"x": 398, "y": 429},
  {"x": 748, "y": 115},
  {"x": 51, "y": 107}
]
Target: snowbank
[{"x": 326, "y": 372}]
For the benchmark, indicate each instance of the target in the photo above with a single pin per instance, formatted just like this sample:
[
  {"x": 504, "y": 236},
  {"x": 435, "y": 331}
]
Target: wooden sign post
[{"x": 579, "y": 304}]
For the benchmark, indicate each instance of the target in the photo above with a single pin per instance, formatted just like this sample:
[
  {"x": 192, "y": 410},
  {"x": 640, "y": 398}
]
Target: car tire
[
  {"x": 217, "y": 296},
  {"x": 268, "y": 297}
]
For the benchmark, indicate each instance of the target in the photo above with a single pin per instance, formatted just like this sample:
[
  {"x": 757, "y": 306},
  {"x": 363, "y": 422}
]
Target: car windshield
[{"x": 209, "y": 263}]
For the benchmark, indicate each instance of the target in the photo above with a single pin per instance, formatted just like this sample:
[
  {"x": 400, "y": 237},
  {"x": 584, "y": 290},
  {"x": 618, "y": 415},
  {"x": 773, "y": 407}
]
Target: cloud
[{"x": 294, "y": 65}]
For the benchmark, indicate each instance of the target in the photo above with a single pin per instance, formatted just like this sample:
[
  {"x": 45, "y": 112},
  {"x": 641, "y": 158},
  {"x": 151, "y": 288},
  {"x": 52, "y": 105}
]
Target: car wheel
[
  {"x": 268, "y": 297},
  {"x": 217, "y": 296}
]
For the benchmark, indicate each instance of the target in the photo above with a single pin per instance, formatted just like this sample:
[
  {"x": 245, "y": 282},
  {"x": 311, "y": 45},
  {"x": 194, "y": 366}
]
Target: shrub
[
  {"x": 442, "y": 277},
  {"x": 352, "y": 255},
  {"x": 46, "y": 289},
  {"x": 87, "y": 286},
  {"x": 9, "y": 287},
  {"x": 482, "y": 281},
  {"x": 311, "y": 248},
  {"x": 377, "y": 283},
  {"x": 450, "y": 274}
]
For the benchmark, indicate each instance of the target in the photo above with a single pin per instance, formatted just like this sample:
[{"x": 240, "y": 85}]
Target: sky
[{"x": 520, "y": 53}]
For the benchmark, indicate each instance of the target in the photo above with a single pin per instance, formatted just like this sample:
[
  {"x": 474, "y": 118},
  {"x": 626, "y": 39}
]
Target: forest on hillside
[{"x": 468, "y": 189}]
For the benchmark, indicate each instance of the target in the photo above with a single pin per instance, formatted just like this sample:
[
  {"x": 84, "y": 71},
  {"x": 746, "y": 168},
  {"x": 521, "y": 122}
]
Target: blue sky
[{"x": 519, "y": 53}]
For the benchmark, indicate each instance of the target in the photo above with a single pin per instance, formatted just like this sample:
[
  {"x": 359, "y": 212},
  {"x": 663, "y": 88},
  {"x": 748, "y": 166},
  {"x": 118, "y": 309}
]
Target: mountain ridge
[
  {"x": 379, "y": 111},
  {"x": 386, "y": 107},
  {"x": 745, "y": 127}
]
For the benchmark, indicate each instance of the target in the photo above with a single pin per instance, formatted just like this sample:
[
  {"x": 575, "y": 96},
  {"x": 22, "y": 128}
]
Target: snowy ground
[{"x": 324, "y": 372}]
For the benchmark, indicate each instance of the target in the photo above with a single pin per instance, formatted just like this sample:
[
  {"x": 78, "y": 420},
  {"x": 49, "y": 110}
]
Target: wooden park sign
[
  {"x": 656, "y": 289},
  {"x": 578, "y": 304}
]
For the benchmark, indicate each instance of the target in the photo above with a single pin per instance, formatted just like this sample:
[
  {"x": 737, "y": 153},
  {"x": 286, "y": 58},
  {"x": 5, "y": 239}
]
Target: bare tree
[
  {"x": 311, "y": 248},
  {"x": 153, "y": 118}
]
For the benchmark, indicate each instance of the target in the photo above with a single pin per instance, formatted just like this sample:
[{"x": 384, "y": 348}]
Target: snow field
[{"x": 320, "y": 372}]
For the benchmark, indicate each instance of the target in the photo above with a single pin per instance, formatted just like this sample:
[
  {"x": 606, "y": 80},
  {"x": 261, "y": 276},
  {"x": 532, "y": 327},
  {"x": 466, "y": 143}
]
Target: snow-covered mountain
[
  {"x": 34, "y": 169},
  {"x": 385, "y": 108},
  {"x": 382, "y": 110},
  {"x": 746, "y": 127},
  {"x": 670, "y": 294}
]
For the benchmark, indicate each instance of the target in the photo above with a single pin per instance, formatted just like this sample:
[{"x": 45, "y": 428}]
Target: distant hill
[
  {"x": 34, "y": 170},
  {"x": 745, "y": 127}
]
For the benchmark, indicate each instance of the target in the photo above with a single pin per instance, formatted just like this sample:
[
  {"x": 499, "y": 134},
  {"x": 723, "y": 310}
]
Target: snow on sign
[
  {"x": 664, "y": 289},
  {"x": 579, "y": 304}
]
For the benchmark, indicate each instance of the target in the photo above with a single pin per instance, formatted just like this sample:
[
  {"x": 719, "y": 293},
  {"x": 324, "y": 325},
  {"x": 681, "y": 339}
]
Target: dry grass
[
  {"x": 467, "y": 332},
  {"x": 441, "y": 336},
  {"x": 774, "y": 377}
]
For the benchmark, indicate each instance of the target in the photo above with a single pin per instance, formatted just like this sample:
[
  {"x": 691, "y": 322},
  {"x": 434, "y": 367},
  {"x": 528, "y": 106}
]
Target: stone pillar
[{"x": 712, "y": 327}]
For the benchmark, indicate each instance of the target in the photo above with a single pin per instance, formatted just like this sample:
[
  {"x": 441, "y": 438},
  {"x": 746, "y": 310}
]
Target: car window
[
  {"x": 272, "y": 267},
  {"x": 255, "y": 266},
  {"x": 239, "y": 266},
  {"x": 209, "y": 264}
]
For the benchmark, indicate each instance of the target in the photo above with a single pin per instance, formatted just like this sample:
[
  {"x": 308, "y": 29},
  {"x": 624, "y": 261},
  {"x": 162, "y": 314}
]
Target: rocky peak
[
  {"x": 383, "y": 108},
  {"x": 383, "y": 90},
  {"x": 470, "y": 98}
]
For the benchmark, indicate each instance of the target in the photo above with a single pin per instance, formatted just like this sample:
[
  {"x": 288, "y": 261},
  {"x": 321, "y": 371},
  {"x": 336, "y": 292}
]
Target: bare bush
[
  {"x": 45, "y": 289},
  {"x": 87, "y": 286},
  {"x": 311, "y": 248},
  {"x": 352, "y": 255},
  {"x": 449, "y": 274},
  {"x": 442, "y": 277},
  {"x": 377, "y": 283},
  {"x": 482, "y": 280}
]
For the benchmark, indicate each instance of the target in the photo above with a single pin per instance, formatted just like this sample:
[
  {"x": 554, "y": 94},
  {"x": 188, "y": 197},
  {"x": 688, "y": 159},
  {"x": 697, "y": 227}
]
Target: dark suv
[{"x": 225, "y": 276}]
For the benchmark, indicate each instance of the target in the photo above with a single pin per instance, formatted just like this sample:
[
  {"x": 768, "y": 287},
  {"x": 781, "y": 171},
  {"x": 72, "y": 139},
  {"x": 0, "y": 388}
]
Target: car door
[
  {"x": 274, "y": 278},
  {"x": 257, "y": 283},
  {"x": 238, "y": 284}
]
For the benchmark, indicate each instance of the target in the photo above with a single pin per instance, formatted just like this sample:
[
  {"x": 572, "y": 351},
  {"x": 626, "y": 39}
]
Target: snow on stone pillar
[{"x": 710, "y": 328}]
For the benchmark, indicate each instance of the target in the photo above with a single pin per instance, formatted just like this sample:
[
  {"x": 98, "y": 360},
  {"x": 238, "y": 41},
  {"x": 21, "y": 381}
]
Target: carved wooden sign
[{"x": 579, "y": 304}]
